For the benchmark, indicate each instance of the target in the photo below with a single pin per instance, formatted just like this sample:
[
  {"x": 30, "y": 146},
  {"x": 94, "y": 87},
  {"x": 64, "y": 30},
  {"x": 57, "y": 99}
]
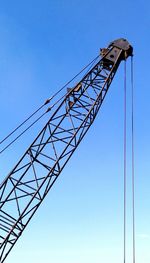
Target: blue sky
[{"x": 43, "y": 45}]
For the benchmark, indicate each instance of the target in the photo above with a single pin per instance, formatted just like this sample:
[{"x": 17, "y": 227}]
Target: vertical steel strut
[{"x": 23, "y": 190}]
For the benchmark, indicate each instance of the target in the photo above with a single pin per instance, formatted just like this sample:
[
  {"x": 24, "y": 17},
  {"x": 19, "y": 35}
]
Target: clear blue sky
[{"x": 44, "y": 44}]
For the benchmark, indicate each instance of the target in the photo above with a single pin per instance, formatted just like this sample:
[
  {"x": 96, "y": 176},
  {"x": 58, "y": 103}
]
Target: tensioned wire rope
[
  {"x": 42, "y": 106},
  {"x": 125, "y": 160},
  {"x": 133, "y": 177}
]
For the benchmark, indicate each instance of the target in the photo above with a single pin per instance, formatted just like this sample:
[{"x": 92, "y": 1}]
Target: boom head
[
  {"x": 123, "y": 44},
  {"x": 120, "y": 45}
]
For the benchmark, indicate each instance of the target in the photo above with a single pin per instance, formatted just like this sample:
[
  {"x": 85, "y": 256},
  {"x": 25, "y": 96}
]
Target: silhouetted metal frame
[{"x": 28, "y": 183}]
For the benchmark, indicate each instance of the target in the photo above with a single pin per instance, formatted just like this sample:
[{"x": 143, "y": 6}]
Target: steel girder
[{"x": 28, "y": 183}]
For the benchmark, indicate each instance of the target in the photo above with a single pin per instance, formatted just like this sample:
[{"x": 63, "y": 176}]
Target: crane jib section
[{"x": 30, "y": 180}]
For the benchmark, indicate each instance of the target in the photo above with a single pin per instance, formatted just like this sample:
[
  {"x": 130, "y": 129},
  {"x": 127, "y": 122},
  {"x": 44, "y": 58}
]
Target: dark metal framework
[{"x": 28, "y": 183}]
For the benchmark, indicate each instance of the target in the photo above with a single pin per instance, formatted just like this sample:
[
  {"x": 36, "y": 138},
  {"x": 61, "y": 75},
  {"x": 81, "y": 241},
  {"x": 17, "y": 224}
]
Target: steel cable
[
  {"x": 74, "y": 78},
  {"x": 133, "y": 179},
  {"x": 125, "y": 161},
  {"x": 45, "y": 103},
  {"x": 8, "y": 145},
  {"x": 19, "y": 126}
]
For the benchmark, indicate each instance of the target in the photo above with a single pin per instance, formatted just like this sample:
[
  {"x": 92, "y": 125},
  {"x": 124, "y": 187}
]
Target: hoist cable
[
  {"x": 45, "y": 103},
  {"x": 133, "y": 183},
  {"x": 125, "y": 161}
]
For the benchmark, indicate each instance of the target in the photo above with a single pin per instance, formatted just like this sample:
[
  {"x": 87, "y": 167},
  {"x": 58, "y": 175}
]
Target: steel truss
[{"x": 24, "y": 189}]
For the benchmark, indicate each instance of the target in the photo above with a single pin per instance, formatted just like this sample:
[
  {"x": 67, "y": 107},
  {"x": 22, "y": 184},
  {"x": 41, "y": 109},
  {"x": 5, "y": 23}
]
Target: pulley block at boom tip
[
  {"x": 28, "y": 183},
  {"x": 115, "y": 46}
]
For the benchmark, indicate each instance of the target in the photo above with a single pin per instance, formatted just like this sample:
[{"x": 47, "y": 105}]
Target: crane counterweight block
[{"x": 28, "y": 183}]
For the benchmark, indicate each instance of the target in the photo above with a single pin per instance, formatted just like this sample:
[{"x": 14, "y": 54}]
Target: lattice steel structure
[{"x": 30, "y": 180}]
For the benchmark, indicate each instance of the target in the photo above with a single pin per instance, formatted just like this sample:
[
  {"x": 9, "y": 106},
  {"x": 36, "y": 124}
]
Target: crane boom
[{"x": 25, "y": 187}]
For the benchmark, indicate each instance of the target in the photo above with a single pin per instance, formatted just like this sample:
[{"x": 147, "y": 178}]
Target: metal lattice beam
[{"x": 28, "y": 183}]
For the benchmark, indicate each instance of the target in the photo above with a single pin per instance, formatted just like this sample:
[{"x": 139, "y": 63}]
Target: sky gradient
[{"x": 43, "y": 45}]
